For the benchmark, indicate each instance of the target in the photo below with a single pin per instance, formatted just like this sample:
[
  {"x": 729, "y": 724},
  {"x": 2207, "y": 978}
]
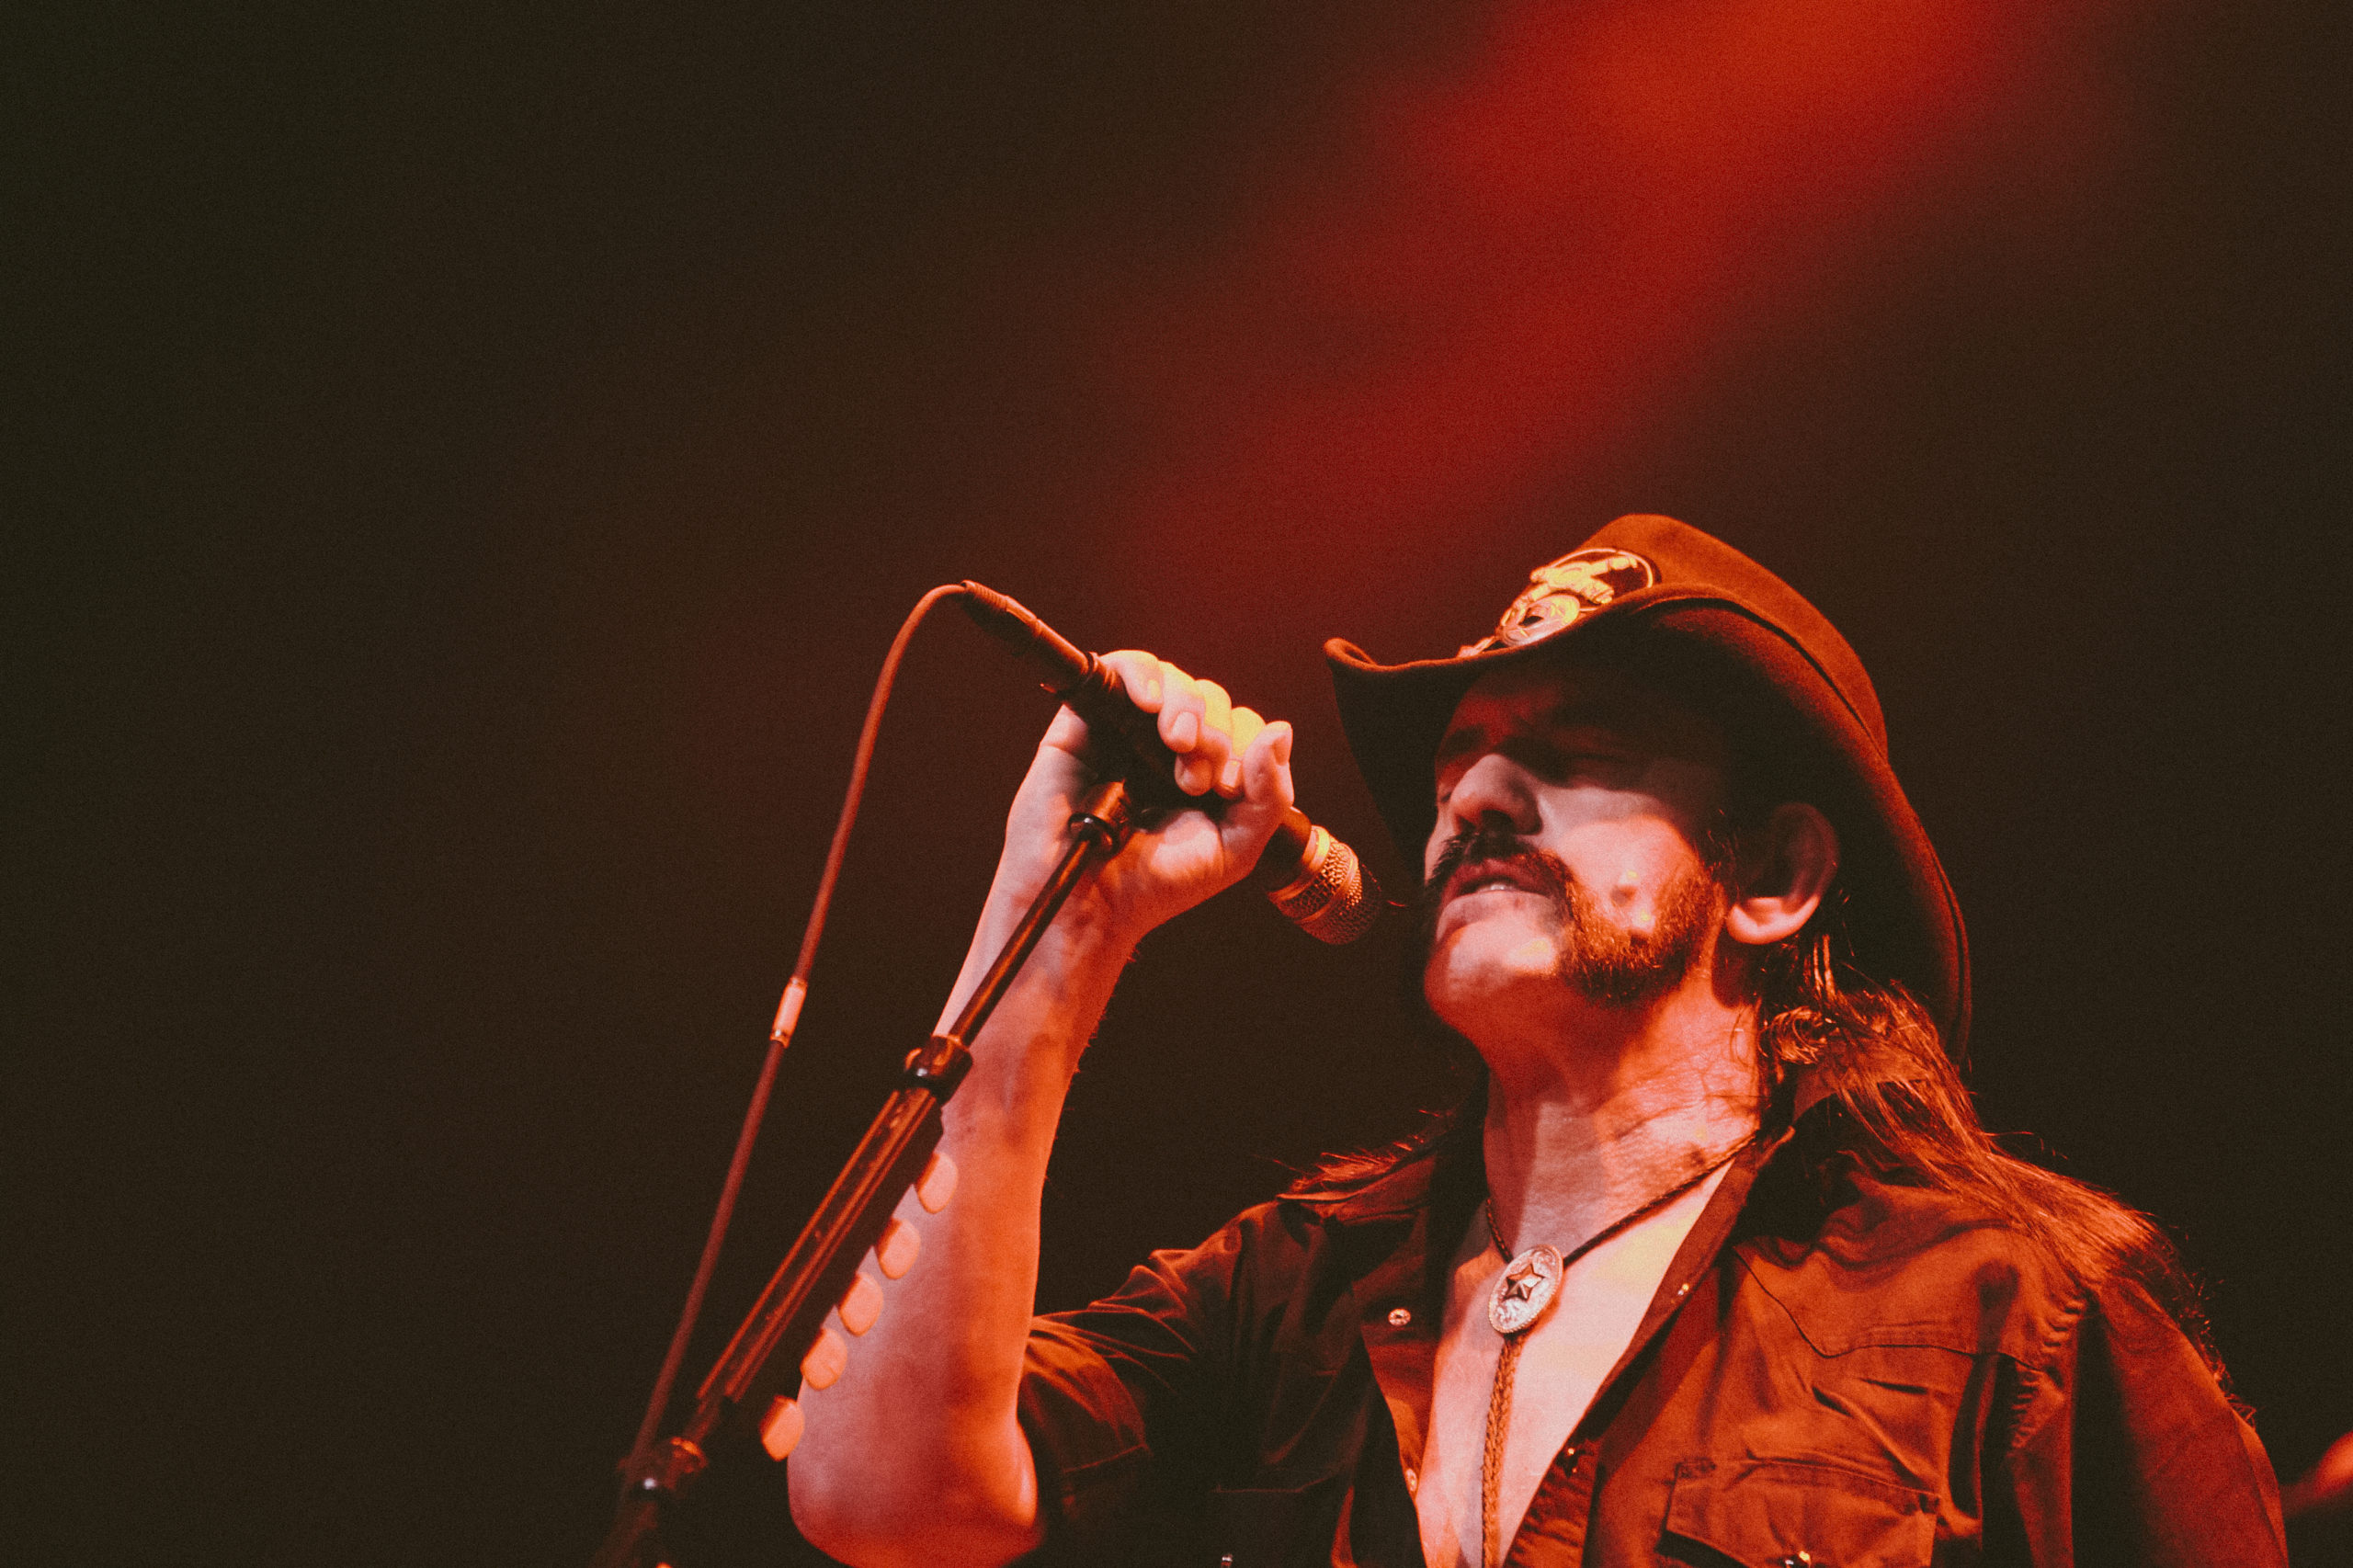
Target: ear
[{"x": 1784, "y": 875}]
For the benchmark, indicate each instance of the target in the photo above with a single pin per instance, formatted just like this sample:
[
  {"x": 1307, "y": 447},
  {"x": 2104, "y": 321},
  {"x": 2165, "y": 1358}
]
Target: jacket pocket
[{"x": 1793, "y": 1514}]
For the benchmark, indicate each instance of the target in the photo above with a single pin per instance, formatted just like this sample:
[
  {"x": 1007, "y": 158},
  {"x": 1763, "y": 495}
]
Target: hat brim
[{"x": 1902, "y": 912}]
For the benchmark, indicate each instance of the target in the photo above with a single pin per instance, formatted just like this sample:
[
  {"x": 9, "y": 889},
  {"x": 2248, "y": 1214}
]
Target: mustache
[
  {"x": 1598, "y": 959},
  {"x": 1496, "y": 846}
]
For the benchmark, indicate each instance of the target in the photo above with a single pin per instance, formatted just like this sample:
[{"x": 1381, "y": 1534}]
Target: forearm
[{"x": 915, "y": 1454}]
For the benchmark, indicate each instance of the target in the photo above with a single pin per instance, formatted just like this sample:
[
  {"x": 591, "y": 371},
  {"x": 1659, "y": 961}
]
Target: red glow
[{"x": 1519, "y": 259}]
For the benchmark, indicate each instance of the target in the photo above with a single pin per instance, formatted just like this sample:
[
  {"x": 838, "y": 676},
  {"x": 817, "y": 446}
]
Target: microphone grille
[{"x": 1333, "y": 899}]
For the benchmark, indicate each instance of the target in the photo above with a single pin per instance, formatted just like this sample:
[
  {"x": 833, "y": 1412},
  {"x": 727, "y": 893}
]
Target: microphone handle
[
  {"x": 1101, "y": 699},
  {"x": 1093, "y": 691}
]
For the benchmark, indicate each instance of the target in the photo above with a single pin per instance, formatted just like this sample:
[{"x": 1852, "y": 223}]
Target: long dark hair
[
  {"x": 1852, "y": 1055},
  {"x": 1867, "y": 1052},
  {"x": 1860, "y": 1060}
]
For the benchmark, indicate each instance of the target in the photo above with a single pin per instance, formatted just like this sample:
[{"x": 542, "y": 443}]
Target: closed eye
[{"x": 1549, "y": 760}]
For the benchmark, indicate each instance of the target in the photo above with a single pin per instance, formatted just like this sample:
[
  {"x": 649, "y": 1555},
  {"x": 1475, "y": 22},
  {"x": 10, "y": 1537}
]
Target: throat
[{"x": 1564, "y": 1175}]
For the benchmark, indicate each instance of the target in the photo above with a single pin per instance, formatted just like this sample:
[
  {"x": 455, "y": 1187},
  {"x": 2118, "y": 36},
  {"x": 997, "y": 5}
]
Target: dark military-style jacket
[{"x": 1877, "y": 1378}]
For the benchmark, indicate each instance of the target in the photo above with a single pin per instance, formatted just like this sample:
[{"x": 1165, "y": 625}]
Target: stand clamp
[{"x": 767, "y": 1349}]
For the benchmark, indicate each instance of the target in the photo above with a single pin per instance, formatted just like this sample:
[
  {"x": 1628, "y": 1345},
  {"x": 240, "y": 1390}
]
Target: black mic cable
[{"x": 1312, "y": 878}]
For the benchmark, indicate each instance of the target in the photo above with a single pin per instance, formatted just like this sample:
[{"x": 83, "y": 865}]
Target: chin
[
  {"x": 1479, "y": 964},
  {"x": 1511, "y": 938}
]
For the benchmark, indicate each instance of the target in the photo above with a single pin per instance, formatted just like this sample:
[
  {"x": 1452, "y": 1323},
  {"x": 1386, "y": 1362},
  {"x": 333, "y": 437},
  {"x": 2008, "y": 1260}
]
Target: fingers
[
  {"x": 780, "y": 1428},
  {"x": 1266, "y": 790},
  {"x": 937, "y": 1184},
  {"x": 1214, "y": 752},
  {"x": 1198, "y": 722},
  {"x": 895, "y": 1253},
  {"x": 861, "y": 1304},
  {"x": 826, "y": 1360},
  {"x": 1242, "y": 730},
  {"x": 1217, "y": 711},
  {"x": 1192, "y": 717},
  {"x": 1143, "y": 675}
]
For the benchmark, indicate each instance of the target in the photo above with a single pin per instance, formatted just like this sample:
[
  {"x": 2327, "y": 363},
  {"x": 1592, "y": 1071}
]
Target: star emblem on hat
[{"x": 1560, "y": 592}]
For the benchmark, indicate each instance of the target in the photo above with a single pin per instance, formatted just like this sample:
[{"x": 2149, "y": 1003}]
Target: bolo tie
[{"x": 1527, "y": 1285}]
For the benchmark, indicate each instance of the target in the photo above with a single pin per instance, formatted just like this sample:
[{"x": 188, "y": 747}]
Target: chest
[{"x": 1562, "y": 1365}]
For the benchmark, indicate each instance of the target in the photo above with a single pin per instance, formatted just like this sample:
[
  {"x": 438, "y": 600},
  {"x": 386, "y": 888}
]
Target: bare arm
[{"x": 914, "y": 1455}]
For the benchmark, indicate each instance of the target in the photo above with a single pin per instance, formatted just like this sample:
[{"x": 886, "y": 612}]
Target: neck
[{"x": 1586, "y": 1125}]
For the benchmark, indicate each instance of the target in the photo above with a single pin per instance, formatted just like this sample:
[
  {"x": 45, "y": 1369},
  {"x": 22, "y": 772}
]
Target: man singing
[{"x": 1716, "y": 1265}]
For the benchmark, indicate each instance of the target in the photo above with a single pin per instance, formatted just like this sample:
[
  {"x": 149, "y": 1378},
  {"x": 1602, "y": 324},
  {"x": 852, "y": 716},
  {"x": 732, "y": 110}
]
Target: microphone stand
[{"x": 761, "y": 1362}]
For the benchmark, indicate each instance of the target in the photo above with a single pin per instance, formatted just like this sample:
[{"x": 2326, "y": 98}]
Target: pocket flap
[{"x": 1792, "y": 1514}]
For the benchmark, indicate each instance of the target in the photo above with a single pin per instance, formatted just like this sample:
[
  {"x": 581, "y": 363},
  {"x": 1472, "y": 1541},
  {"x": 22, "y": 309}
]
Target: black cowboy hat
[{"x": 1653, "y": 593}]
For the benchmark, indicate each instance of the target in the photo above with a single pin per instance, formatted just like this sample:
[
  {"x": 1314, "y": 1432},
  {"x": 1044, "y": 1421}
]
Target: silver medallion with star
[{"x": 1524, "y": 1290}]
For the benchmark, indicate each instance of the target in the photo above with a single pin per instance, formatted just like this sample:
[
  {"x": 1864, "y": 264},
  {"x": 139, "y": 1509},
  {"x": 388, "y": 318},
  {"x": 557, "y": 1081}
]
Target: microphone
[{"x": 1314, "y": 879}]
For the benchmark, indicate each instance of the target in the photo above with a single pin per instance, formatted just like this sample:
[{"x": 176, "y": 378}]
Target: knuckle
[{"x": 1137, "y": 671}]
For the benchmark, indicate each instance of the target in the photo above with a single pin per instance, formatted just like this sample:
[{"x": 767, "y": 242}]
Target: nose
[{"x": 1493, "y": 792}]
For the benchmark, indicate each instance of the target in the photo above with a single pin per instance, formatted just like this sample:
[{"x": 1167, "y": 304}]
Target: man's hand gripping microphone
[{"x": 1315, "y": 879}]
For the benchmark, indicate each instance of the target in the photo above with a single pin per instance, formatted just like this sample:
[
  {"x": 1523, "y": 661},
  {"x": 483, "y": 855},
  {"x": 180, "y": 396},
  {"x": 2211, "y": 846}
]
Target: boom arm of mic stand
[{"x": 765, "y": 1355}]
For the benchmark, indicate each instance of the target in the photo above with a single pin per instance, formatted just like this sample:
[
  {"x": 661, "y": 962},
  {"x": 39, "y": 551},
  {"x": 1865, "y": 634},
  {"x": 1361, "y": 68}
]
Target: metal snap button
[{"x": 1400, "y": 1316}]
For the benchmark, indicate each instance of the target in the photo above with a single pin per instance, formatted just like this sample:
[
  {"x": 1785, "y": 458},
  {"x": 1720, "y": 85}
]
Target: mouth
[{"x": 1494, "y": 876}]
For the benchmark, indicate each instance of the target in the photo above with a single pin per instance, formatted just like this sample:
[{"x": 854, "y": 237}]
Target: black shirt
[{"x": 1884, "y": 1378}]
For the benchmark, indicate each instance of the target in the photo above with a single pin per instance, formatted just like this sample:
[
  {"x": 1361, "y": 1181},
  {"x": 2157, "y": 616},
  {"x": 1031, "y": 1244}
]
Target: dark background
[{"x": 467, "y": 464}]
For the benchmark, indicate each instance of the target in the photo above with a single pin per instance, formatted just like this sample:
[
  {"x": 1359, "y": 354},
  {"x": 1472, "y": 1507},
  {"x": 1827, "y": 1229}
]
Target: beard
[{"x": 1601, "y": 960}]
